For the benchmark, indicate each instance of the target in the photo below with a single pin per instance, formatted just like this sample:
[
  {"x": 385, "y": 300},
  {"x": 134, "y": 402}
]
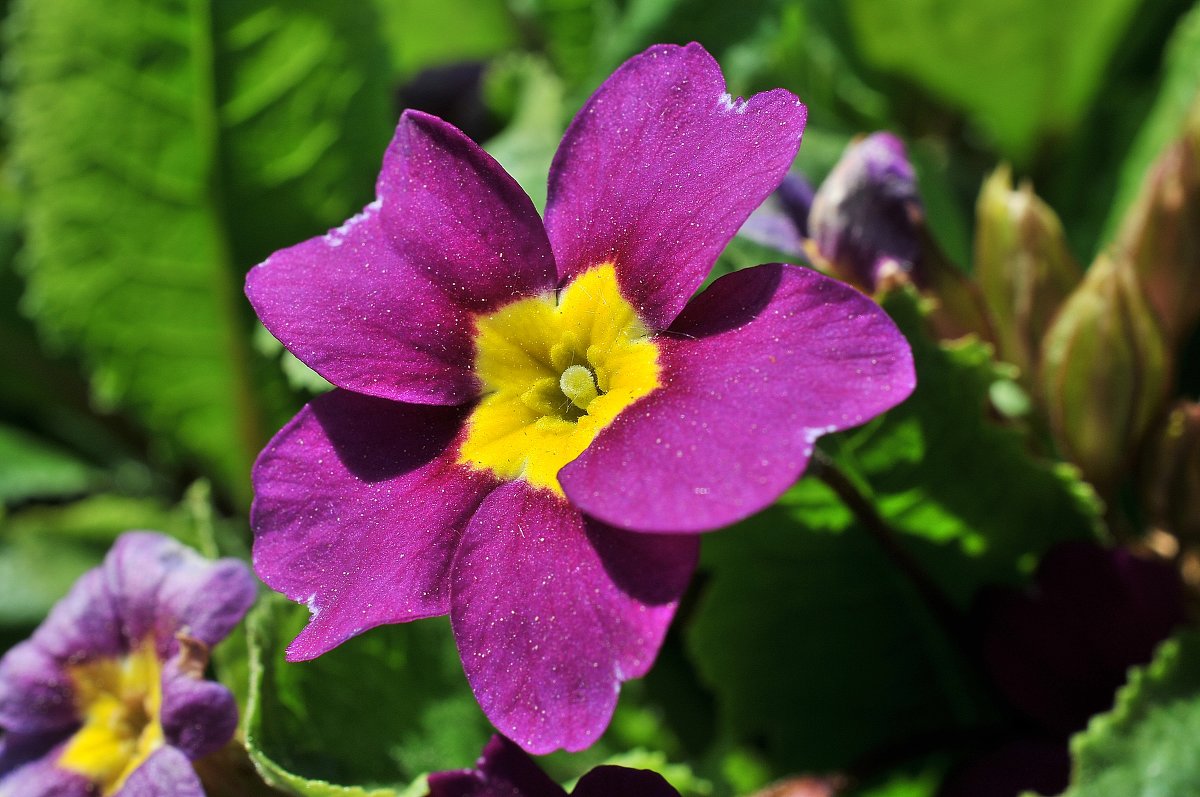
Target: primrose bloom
[
  {"x": 504, "y": 770},
  {"x": 534, "y": 421},
  {"x": 108, "y": 696}
]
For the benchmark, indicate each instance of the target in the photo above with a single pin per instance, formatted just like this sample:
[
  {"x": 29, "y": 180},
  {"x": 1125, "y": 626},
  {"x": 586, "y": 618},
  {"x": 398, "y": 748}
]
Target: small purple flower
[
  {"x": 867, "y": 214},
  {"x": 534, "y": 421},
  {"x": 504, "y": 770},
  {"x": 781, "y": 222},
  {"x": 108, "y": 696}
]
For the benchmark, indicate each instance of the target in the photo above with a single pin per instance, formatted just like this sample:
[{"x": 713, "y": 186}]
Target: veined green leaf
[
  {"x": 1146, "y": 746},
  {"x": 801, "y": 596},
  {"x": 363, "y": 720},
  {"x": 937, "y": 468},
  {"x": 165, "y": 147},
  {"x": 420, "y": 33}
]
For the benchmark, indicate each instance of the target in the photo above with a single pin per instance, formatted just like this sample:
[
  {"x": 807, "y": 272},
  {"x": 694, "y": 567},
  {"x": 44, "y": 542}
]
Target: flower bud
[
  {"x": 1023, "y": 267},
  {"x": 1171, "y": 476},
  {"x": 1161, "y": 233},
  {"x": 866, "y": 216},
  {"x": 1103, "y": 371}
]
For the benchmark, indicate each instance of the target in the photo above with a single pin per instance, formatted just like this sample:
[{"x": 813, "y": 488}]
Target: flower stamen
[
  {"x": 556, "y": 369},
  {"x": 578, "y": 383}
]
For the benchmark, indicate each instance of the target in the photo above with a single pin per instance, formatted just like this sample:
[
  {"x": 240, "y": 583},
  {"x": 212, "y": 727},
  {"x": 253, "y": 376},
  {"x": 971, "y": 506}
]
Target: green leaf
[
  {"x": 44, "y": 549},
  {"x": 742, "y": 252},
  {"x": 680, "y": 776},
  {"x": 940, "y": 469},
  {"x": 1146, "y": 746},
  {"x": 953, "y": 49},
  {"x": 164, "y": 148},
  {"x": 373, "y": 715},
  {"x": 527, "y": 145},
  {"x": 815, "y": 644},
  {"x": 33, "y": 468},
  {"x": 588, "y": 40},
  {"x": 421, "y": 34},
  {"x": 1179, "y": 91}
]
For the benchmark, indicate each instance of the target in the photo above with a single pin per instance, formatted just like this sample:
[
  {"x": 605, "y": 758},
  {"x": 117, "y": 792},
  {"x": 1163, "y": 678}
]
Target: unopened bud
[
  {"x": 1171, "y": 476},
  {"x": 866, "y": 214},
  {"x": 1023, "y": 266},
  {"x": 1161, "y": 233},
  {"x": 1103, "y": 372}
]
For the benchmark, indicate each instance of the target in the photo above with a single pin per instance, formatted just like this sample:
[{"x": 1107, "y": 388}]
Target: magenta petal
[
  {"x": 504, "y": 770},
  {"x": 353, "y": 309},
  {"x": 19, "y": 749},
  {"x": 84, "y": 624},
  {"x": 659, "y": 170},
  {"x": 460, "y": 218},
  {"x": 551, "y": 613},
  {"x": 198, "y": 716},
  {"x": 358, "y": 509},
  {"x": 161, "y": 587},
  {"x": 756, "y": 368},
  {"x": 608, "y": 780},
  {"x": 36, "y": 694},
  {"x": 166, "y": 773},
  {"x": 41, "y": 778}
]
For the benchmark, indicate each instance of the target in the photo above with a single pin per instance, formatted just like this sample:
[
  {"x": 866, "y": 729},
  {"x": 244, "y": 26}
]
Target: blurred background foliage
[{"x": 152, "y": 151}]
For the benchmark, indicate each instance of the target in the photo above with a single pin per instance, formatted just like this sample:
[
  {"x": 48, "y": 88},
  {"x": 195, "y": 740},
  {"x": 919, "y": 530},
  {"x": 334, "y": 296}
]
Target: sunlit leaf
[
  {"x": 1020, "y": 68},
  {"x": 1146, "y": 746},
  {"x": 365, "y": 719},
  {"x": 165, "y": 148}
]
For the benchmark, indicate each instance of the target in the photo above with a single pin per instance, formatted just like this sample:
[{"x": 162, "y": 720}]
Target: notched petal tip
[{"x": 660, "y": 193}]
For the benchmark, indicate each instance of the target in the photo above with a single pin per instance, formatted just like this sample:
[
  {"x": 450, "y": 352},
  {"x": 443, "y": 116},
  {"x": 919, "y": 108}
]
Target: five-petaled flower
[
  {"x": 533, "y": 422},
  {"x": 504, "y": 770},
  {"x": 108, "y": 696}
]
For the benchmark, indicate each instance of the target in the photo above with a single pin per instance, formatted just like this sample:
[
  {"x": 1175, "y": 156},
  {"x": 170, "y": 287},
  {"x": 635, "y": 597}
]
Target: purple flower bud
[
  {"x": 866, "y": 216},
  {"x": 781, "y": 222}
]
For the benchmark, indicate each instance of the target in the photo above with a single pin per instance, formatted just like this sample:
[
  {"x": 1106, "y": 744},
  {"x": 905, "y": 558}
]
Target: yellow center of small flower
[
  {"x": 120, "y": 701},
  {"x": 555, "y": 371}
]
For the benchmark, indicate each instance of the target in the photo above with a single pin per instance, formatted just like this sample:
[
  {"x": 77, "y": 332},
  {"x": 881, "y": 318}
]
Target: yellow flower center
[
  {"x": 120, "y": 701},
  {"x": 555, "y": 371}
]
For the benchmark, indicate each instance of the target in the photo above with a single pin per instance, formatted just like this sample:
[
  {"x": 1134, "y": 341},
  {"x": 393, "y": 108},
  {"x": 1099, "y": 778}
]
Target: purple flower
[
  {"x": 534, "y": 421},
  {"x": 781, "y": 222},
  {"x": 867, "y": 214},
  {"x": 504, "y": 770},
  {"x": 108, "y": 696}
]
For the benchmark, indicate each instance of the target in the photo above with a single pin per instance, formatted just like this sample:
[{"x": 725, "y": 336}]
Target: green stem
[{"x": 952, "y": 621}]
